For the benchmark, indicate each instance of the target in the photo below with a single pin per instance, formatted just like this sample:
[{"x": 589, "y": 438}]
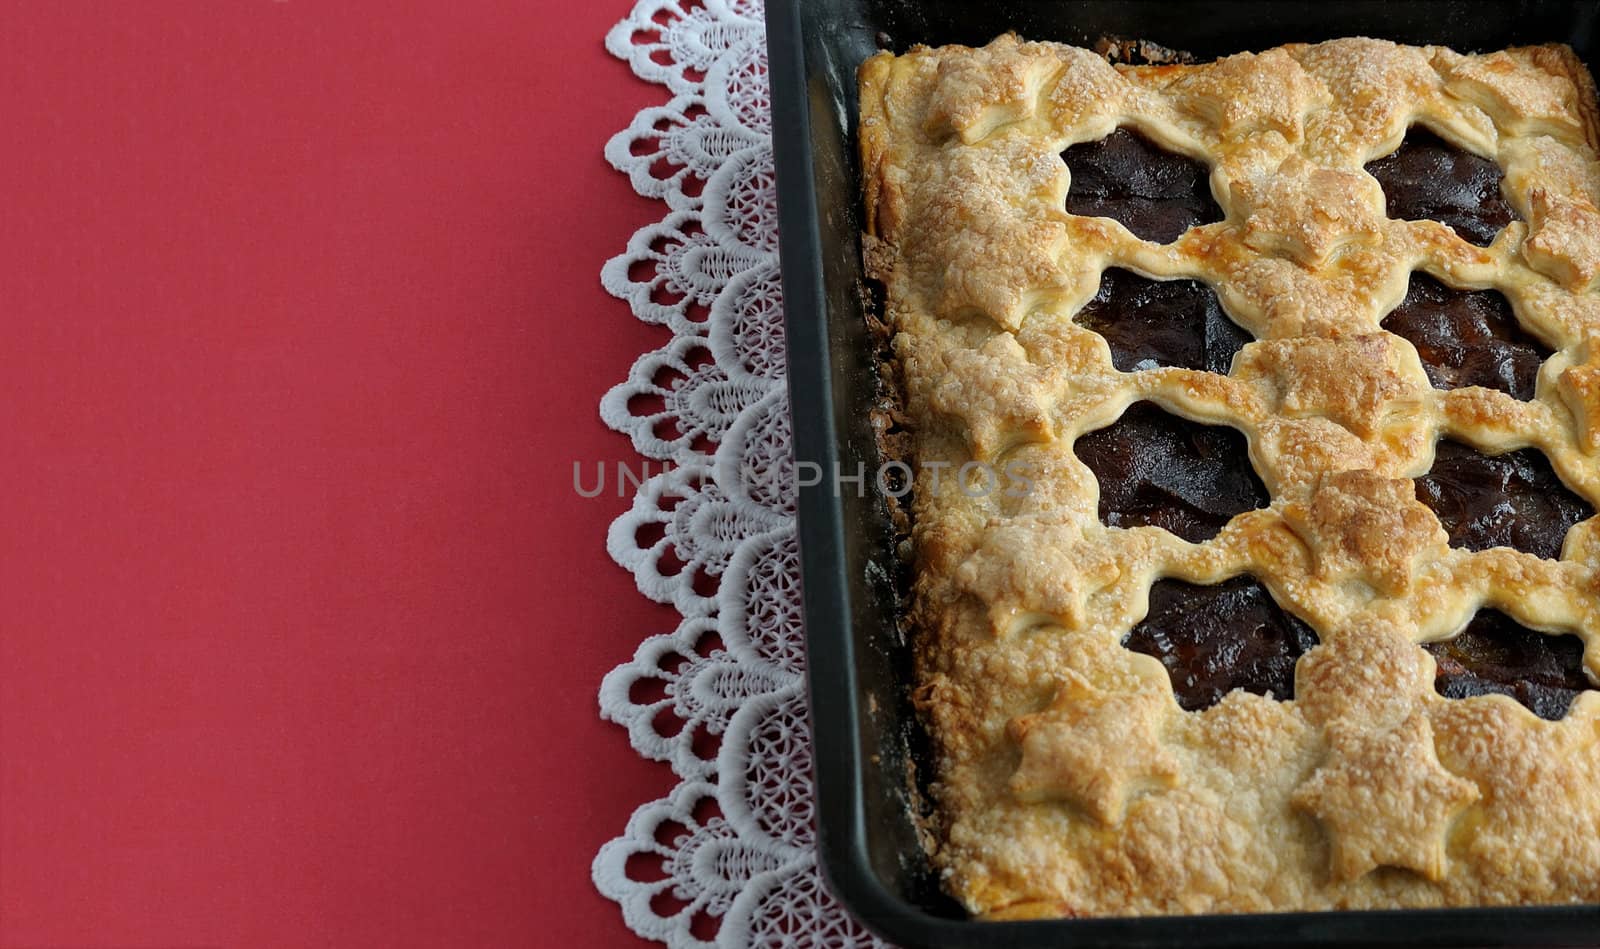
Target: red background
[{"x": 301, "y": 622}]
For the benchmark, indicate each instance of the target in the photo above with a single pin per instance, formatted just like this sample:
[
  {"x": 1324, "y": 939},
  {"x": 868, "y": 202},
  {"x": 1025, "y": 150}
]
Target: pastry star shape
[
  {"x": 1352, "y": 381},
  {"x": 1093, "y": 749},
  {"x": 1385, "y": 800},
  {"x": 1363, "y": 524},
  {"x": 1308, "y": 213},
  {"x": 998, "y": 393},
  {"x": 1564, "y": 245},
  {"x": 1025, "y": 567},
  {"x": 1579, "y": 385},
  {"x": 973, "y": 98}
]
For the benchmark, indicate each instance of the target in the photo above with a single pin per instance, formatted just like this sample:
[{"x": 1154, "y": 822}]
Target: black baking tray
[{"x": 865, "y": 730}]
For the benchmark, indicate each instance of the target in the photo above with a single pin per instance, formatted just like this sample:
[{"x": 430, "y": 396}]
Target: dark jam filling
[
  {"x": 1153, "y": 193},
  {"x": 1511, "y": 500},
  {"x": 1214, "y": 639},
  {"x": 1496, "y": 655},
  {"x": 1467, "y": 338},
  {"x": 1427, "y": 178},
  {"x": 1150, "y": 323},
  {"x": 1157, "y": 469}
]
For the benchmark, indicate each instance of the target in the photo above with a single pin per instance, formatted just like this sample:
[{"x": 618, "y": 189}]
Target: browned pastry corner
[{"x": 1274, "y": 306}]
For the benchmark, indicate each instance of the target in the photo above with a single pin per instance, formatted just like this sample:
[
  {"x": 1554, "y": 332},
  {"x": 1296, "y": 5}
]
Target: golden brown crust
[
  {"x": 1385, "y": 799},
  {"x": 1069, "y": 781}
]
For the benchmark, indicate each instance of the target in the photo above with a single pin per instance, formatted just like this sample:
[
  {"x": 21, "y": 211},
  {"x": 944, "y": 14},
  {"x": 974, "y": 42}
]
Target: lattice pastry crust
[{"x": 1069, "y": 781}]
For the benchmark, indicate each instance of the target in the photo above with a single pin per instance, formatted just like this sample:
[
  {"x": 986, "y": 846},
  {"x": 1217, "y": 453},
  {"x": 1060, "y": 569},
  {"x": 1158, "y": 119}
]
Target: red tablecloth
[{"x": 301, "y": 621}]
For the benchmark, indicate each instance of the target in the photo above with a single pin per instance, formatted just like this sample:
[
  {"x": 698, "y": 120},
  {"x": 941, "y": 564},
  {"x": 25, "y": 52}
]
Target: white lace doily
[{"x": 728, "y": 858}]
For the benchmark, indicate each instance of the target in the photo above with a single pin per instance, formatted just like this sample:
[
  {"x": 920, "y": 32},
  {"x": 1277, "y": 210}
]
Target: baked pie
[{"x": 1300, "y": 351}]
